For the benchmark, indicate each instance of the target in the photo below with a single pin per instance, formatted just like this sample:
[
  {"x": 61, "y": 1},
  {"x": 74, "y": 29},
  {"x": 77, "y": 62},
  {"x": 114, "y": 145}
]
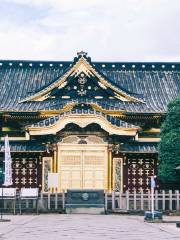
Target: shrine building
[{"x": 97, "y": 124}]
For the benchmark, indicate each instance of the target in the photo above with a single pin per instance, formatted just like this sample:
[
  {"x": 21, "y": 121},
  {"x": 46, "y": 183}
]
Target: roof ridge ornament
[{"x": 82, "y": 54}]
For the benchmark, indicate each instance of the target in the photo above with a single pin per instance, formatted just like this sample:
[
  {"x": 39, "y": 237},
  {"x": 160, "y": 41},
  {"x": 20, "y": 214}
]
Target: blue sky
[{"x": 109, "y": 30}]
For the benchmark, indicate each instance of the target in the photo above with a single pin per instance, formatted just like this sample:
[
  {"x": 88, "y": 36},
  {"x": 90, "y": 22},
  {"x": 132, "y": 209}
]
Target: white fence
[
  {"x": 115, "y": 201},
  {"x": 51, "y": 201},
  {"x": 163, "y": 201},
  {"x": 46, "y": 202}
]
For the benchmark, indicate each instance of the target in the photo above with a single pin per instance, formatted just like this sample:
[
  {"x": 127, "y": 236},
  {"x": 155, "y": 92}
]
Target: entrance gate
[{"x": 83, "y": 167}]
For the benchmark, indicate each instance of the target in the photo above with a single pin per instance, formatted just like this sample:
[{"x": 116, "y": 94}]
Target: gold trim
[
  {"x": 113, "y": 173},
  {"x": 122, "y": 114},
  {"x": 15, "y": 139},
  {"x": 54, "y": 161},
  {"x": 148, "y": 139},
  {"x": 113, "y": 112},
  {"x": 66, "y": 108},
  {"x": 81, "y": 65},
  {"x": 110, "y": 171},
  {"x": 83, "y": 121},
  {"x": 69, "y": 106},
  {"x": 153, "y": 130},
  {"x": 122, "y": 173}
]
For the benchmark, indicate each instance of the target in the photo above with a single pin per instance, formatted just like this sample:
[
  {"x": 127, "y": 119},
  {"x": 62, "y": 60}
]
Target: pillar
[
  {"x": 54, "y": 158},
  {"x": 110, "y": 169}
]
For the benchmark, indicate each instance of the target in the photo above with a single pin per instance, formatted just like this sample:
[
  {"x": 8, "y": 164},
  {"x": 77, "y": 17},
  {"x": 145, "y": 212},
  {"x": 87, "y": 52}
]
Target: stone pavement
[{"x": 94, "y": 227}]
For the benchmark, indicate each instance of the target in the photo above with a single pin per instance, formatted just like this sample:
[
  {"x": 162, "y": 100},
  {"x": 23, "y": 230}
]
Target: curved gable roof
[
  {"x": 82, "y": 65},
  {"x": 156, "y": 83}
]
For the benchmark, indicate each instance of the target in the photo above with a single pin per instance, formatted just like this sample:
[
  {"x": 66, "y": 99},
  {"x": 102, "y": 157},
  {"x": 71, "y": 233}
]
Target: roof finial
[{"x": 82, "y": 54}]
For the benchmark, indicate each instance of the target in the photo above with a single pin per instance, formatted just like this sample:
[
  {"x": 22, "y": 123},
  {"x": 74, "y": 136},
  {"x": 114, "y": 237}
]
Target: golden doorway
[{"x": 83, "y": 166}]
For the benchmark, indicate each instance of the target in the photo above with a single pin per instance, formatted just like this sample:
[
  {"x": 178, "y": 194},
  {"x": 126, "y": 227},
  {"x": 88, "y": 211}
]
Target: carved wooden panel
[
  {"x": 47, "y": 167},
  {"x": 87, "y": 139},
  {"x": 117, "y": 174},
  {"x": 137, "y": 170},
  {"x": 26, "y": 172}
]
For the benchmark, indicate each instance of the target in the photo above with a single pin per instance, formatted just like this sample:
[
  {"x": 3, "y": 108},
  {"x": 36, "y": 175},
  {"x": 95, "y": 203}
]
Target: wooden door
[
  {"x": 83, "y": 169},
  {"x": 71, "y": 170},
  {"x": 93, "y": 170}
]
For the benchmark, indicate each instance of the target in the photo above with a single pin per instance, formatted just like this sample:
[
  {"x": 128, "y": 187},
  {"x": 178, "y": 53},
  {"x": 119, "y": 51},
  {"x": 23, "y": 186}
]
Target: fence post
[
  {"x": 177, "y": 200},
  {"x": 34, "y": 202},
  {"x": 127, "y": 200},
  {"x": 149, "y": 200},
  {"x": 142, "y": 200},
  {"x": 120, "y": 200},
  {"x": 163, "y": 200},
  {"x": 49, "y": 200},
  {"x": 170, "y": 199},
  {"x": 156, "y": 199},
  {"x": 63, "y": 199},
  {"x": 134, "y": 199},
  {"x": 41, "y": 195},
  {"x": 113, "y": 200},
  {"x": 56, "y": 200},
  {"x": 27, "y": 203},
  {"x": 14, "y": 206},
  {"x": 40, "y": 202},
  {"x": 106, "y": 201}
]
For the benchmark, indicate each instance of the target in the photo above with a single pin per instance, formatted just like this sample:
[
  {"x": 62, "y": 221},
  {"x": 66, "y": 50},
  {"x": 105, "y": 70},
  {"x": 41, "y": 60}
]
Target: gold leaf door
[{"x": 85, "y": 168}]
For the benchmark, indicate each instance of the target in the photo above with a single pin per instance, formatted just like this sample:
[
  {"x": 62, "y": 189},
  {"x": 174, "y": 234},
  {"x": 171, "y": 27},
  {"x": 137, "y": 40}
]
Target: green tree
[{"x": 169, "y": 147}]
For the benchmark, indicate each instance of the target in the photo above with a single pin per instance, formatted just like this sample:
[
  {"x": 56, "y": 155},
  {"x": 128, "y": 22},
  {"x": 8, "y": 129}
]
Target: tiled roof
[
  {"x": 156, "y": 83},
  {"x": 140, "y": 147},
  {"x": 24, "y": 146},
  {"x": 113, "y": 120},
  {"x": 31, "y": 146}
]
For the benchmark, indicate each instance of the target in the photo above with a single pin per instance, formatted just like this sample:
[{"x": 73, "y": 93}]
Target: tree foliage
[{"x": 169, "y": 147}]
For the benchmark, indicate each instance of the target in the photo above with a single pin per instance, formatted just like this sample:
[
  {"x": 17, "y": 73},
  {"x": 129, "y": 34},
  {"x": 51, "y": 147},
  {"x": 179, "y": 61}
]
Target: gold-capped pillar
[
  {"x": 55, "y": 158},
  {"x": 54, "y": 165},
  {"x": 53, "y": 148},
  {"x": 110, "y": 168}
]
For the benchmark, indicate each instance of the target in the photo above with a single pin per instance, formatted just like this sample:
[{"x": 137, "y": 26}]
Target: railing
[
  {"x": 140, "y": 201},
  {"x": 51, "y": 202},
  {"x": 46, "y": 202},
  {"x": 115, "y": 201}
]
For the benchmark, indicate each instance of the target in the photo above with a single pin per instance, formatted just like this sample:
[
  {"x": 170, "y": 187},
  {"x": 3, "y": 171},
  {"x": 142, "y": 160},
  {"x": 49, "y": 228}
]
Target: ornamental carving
[
  {"x": 26, "y": 172},
  {"x": 82, "y": 80},
  {"x": 117, "y": 174},
  {"x": 88, "y": 139},
  {"x": 137, "y": 170}
]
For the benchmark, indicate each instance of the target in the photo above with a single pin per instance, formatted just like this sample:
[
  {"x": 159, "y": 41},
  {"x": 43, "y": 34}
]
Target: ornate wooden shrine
[{"x": 97, "y": 124}]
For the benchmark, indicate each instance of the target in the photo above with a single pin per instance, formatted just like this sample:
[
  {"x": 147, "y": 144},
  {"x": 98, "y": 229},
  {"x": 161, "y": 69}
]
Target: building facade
[{"x": 97, "y": 124}]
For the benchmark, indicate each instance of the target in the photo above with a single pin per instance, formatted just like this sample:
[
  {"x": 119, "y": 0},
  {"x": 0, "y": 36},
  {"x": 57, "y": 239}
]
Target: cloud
[
  {"x": 62, "y": 5},
  {"x": 116, "y": 30}
]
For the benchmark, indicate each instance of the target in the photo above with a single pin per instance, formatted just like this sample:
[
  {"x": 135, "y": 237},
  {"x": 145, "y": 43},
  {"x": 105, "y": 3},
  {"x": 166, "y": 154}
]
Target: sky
[{"x": 109, "y": 30}]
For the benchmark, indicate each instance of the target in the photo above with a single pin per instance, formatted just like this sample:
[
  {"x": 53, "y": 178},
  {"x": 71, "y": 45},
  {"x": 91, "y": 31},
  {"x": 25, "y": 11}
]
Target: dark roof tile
[{"x": 156, "y": 86}]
